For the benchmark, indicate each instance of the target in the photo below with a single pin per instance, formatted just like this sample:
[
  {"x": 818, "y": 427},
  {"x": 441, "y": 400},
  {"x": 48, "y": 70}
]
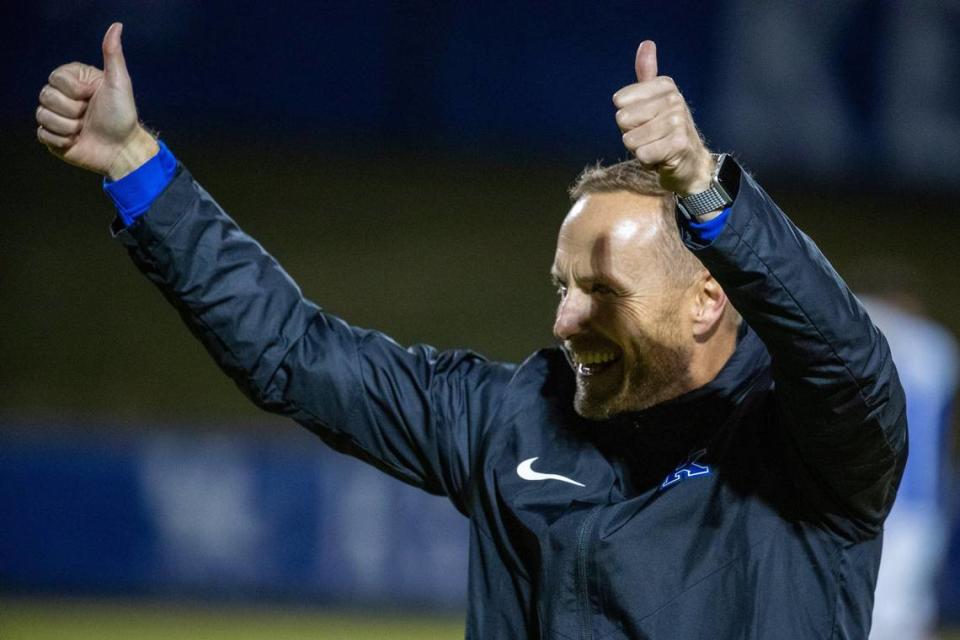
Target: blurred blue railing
[
  {"x": 177, "y": 514},
  {"x": 214, "y": 515}
]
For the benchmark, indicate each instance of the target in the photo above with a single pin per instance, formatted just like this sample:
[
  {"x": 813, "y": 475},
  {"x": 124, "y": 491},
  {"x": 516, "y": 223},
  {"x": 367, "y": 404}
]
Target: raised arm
[
  {"x": 414, "y": 413},
  {"x": 836, "y": 388}
]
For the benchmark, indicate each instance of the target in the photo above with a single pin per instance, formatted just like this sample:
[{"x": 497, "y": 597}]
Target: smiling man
[
  {"x": 639, "y": 317},
  {"x": 710, "y": 454}
]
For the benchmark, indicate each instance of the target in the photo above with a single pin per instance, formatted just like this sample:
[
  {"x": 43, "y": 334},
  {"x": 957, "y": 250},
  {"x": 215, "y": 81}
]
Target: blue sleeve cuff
[
  {"x": 135, "y": 192},
  {"x": 706, "y": 232}
]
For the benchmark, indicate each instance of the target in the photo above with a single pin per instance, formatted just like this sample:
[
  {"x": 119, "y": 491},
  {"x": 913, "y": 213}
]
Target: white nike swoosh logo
[{"x": 525, "y": 471}]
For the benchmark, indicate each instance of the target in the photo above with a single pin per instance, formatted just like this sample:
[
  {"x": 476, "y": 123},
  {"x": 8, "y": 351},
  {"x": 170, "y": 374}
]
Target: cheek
[
  {"x": 637, "y": 326},
  {"x": 627, "y": 317}
]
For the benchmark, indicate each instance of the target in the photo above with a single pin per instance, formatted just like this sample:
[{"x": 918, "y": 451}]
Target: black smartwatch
[{"x": 722, "y": 191}]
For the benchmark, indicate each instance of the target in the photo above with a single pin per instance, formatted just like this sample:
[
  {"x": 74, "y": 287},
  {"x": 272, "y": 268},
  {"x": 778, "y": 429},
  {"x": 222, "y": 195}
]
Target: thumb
[
  {"x": 114, "y": 66},
  {"x": 646, "y": 64}
]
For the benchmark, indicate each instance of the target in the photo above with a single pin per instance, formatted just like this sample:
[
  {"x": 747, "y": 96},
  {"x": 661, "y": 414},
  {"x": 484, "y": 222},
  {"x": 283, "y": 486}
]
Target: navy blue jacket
[{"x": 751, "y": 507}]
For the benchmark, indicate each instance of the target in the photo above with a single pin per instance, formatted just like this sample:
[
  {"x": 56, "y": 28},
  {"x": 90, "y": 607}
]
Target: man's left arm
[{"x": 837, "y": 389}]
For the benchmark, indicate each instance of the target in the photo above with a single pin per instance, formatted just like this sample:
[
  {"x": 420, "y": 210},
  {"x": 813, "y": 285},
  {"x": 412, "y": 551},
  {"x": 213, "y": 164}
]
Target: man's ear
[{"x": 709, "y": 305}]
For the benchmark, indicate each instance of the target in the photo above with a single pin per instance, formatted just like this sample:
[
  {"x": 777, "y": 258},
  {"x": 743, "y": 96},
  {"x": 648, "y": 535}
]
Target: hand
[
  {"x": 659, "y": 130},
  {"x": 88, "y": 117}
]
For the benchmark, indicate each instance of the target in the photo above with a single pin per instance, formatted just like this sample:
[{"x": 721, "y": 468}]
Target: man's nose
[{"x": 573, "y": 314}]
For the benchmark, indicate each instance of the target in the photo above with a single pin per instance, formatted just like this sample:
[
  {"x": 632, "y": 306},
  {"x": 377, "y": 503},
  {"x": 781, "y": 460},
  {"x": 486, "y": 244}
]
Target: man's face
[{"x": 620, "y": 314}]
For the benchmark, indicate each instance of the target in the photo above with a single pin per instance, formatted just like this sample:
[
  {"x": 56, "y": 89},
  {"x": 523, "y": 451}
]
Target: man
[
  {"x": 916, "y": 531},
  {"x": 670, "y": 472}
]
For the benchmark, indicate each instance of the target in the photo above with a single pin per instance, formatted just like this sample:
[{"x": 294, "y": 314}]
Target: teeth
[{"x": 595, "y": 357}]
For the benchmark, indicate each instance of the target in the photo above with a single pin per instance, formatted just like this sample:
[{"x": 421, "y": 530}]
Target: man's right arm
[{"x": 415, "y": 413}]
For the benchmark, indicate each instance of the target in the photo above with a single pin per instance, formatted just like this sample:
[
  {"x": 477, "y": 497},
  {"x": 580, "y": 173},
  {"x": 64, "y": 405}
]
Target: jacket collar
[{"x": 716, "y": 399}]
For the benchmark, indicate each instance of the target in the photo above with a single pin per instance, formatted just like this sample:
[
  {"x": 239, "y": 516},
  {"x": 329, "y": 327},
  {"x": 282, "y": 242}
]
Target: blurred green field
[
  {"x": 43, "y": 619},
  {"x": 22, "y": 619}
]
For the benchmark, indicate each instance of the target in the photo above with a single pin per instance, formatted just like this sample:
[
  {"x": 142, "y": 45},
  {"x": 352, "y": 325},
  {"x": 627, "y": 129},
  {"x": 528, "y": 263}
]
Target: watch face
[{"x": 728, "y": 175}]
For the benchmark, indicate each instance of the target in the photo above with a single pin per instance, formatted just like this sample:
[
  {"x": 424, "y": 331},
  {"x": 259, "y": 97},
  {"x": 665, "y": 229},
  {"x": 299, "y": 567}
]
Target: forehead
[{"x": 610, "y": 234}]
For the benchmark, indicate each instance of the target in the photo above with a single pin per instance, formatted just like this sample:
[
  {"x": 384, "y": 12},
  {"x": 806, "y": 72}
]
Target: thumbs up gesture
[
  {"x": 658, "y": 128},
  {"x": 88, "y": 118}
]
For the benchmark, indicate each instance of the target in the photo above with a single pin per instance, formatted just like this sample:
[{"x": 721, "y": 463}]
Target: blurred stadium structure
[{"x": 407, "y": 164}]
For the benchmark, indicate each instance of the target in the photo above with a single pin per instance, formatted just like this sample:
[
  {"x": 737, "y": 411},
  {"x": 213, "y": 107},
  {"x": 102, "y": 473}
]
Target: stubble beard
[{"x": 661, "y": 373}]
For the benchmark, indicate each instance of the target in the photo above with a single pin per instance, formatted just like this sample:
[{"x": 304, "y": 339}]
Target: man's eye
[{"x": 561, "y": 291}]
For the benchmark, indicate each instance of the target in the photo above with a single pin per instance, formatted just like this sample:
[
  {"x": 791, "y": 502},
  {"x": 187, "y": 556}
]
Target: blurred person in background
[
  {"x": 916, "y": 531},
  {"x": 710, "y": 452}
]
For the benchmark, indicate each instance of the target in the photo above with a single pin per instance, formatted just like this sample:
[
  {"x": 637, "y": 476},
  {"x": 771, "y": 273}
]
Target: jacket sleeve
[
  {"x": 415, "y": 413},
  {"x": 836, "y": 389}
]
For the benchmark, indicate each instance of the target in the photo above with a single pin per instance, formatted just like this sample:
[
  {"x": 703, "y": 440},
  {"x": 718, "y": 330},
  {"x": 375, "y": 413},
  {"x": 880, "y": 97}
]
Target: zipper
[{"x": 583, "y": 585}]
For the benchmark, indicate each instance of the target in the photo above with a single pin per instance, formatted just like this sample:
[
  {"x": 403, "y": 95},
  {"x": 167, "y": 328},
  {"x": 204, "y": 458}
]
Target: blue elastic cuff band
[
  {"x": 706, "y": 232},
  {"x": 135, "y": 192}
]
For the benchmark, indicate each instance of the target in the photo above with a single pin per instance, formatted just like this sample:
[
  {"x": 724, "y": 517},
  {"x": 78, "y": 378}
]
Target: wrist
[
  {"x": 703, "y": 179},
  {"x": 706, "y": 204},
  {"x": 707, "y": 217},
  {"x": 133, "y": 154}
]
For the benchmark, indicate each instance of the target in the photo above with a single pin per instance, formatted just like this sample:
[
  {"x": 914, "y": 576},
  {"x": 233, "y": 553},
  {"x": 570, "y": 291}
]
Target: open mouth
[{"x": 593, "y": 362}]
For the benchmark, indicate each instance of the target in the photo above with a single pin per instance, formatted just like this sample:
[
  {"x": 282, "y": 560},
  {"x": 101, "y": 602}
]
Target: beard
[{"x": 659, "y": 373}]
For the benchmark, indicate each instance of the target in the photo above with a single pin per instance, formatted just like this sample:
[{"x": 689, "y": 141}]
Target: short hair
[{"x": 631, "y": 176}]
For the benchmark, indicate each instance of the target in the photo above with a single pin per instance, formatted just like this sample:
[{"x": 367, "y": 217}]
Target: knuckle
[
  {"x": 667, "y": 82},
  {"x": 622, "y": 118},
  {"x": 46, "y": 137},
  {"x": 675, "y": 120},
  {"x": 624, "y": 96},
  {"x": 64, "y": 75}
]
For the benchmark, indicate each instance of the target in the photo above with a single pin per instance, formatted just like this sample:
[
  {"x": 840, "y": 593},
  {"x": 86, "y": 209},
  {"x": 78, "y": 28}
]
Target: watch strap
[{"x": 714, "y": 198}]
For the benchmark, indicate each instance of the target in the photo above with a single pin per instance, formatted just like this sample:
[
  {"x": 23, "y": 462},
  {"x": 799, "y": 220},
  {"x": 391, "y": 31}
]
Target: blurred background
[{"x": 407, "y": 162}]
